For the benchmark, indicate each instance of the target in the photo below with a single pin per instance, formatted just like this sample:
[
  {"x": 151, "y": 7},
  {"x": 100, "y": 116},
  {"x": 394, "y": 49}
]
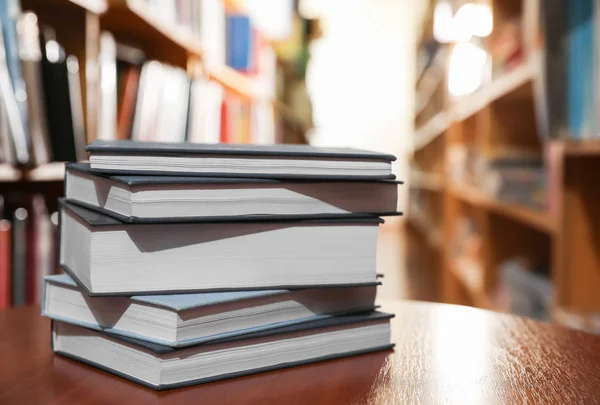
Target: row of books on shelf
[
  {"x": 227, "y": 36},
  {"x": 570, "y": 75},
  {"x": 41, "y": 113},
  {"x": 152, "y": 101},
  {"x": 27, "y": 248},
  {"x": 41, "y": 110},
  {"x": 524, "y": 287},
  {"x": 512, "y": 176}
]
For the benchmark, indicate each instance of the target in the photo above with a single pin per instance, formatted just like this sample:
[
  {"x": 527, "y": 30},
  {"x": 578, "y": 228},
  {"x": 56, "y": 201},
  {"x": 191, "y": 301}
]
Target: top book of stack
[{"x": 225, "y": 160}]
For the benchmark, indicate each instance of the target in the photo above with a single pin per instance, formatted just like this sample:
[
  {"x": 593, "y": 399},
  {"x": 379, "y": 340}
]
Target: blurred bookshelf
[
  {"x": 513, "y": 190},
  {"x": 202, "y": 71},
  {"x": 78, "y": 26}
]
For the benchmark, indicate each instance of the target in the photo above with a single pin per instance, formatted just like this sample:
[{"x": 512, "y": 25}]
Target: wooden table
[{"x": 444, "y": 355}]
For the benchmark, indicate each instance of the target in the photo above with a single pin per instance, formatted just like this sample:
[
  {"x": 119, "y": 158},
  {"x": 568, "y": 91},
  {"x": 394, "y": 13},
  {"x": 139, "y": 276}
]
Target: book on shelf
[
  {"x": 16, "y": 137},
  {"x": 168, "y": 198},
  {"x": 134, "y": 259},
  {"x": 580, "y": 68},
  {"x": 127, "y": 100},
  {"x": 5, "y": 264},
  {"x": 181, "y": 320},
  {"x": 63, "y": 99},
  {"x": 304, "y": 343},
  {"x": 257, "y": 161},
  {"x": 31, "y": 59},
  {"x": 204, "y": 120},
  {"x": 10, "y": 10},
  {"x": 107, "y": 115},
  {"x": 240, "y": 43}
]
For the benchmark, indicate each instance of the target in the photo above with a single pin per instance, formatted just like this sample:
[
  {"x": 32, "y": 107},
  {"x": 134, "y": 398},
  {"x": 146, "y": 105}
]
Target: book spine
[
  {"x": 580, "y": 67},
  {"x": 29, "y": 50},
  {"x": 16, "y": 129},
  {"x": 107, "y": 120},
  {"x": 10, "y": 10},
  {"x": 19, "y": 246},
  {"x": 126, "y": 113},
  {"x": 5, "y": 264}
]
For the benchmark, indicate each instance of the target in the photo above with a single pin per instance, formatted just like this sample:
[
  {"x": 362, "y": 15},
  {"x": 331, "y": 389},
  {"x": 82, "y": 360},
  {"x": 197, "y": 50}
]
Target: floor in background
[{"x": 403, "y": 279}]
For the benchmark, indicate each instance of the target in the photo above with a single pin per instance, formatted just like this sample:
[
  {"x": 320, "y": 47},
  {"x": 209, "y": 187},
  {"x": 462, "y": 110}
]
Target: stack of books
[{"x": 190, "y": 263}]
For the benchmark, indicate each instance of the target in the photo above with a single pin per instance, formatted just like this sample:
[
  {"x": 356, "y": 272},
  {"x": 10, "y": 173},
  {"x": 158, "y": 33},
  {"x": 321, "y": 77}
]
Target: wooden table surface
[{"x": 444, "y": 355}]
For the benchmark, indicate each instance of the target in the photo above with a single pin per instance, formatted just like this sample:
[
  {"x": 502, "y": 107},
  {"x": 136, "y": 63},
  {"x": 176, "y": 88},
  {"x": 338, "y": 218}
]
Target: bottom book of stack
[{"x": 169, "y": 341}]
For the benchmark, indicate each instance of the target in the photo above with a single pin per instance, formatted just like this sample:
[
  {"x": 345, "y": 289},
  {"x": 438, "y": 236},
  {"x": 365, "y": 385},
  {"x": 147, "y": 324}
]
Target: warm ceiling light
[{"x": 471, "y": 19}]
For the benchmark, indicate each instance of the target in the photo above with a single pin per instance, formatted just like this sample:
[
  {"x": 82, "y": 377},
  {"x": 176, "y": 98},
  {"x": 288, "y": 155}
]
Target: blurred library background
[{"x": 489, "y": 105}]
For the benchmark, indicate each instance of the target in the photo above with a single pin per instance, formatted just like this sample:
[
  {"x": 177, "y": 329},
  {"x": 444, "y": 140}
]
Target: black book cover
[
  {"x": 176, "y": 149},
  {"x": 55, "y": 79}
]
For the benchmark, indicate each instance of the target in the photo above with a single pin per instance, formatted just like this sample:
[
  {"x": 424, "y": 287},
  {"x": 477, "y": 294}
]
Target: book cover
[{"x": 339, "y": 321}]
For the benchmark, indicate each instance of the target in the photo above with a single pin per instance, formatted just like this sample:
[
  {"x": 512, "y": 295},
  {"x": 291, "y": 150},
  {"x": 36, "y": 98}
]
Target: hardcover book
[
  {"x": 180, "y": 320},
  {"x": 230, "y": 160},
  {"x": 162, "y": 367},
  {"x": 138, "y": 199},
  {"x": 109, "y": 257}
]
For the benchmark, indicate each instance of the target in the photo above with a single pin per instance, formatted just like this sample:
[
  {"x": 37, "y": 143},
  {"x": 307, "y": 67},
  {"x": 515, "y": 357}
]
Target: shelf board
[
  {"x": 432, "y": 129},
  {"x": 471, "y": 104},
  {"x": 132, "y": 21},
  {"x": 497, "y": 89},
  {"x": 54, "y": 171},
  {"x": 583, "y": 148},
  {"x": 536, "y": 219},
  {"x": 424, "y": 180},
  {"x": 93, "y": 6}
]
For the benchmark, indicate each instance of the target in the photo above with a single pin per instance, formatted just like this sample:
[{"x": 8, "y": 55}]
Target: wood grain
[{"x": 444, "y": 355}]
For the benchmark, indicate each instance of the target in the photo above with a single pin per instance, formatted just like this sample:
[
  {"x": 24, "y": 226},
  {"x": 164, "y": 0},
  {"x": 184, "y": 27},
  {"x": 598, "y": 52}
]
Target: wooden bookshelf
[
  {"x": 132, "y": 21},
  {"x": 48, "y": 172},
  {"x": 564, "y": 236},
  {"x": 79, "y": 23},
  {"x": 538, "y": 219},
  {"x": 429, "y": 181}
]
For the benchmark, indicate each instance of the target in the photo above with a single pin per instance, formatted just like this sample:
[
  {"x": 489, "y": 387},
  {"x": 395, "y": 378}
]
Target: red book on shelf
[
  {"x": 5, "y": 264},
  {"x": 224, "y": 118},
  {"x": 127, "y": 103}
]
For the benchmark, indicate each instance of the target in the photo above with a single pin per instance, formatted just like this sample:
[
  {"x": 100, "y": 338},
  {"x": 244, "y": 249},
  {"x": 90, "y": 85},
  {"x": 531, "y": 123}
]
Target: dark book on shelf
[
  {"x": 63, "y": 121},
  {"x": 180, "y": 320},
  {"x": 109, "y": 257},
  {"x": 304, "y": 343},
  {"x": 139, "y": 199},
  {"x": 19, "y": 256},
  {"x": 228, "y": 160}
]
